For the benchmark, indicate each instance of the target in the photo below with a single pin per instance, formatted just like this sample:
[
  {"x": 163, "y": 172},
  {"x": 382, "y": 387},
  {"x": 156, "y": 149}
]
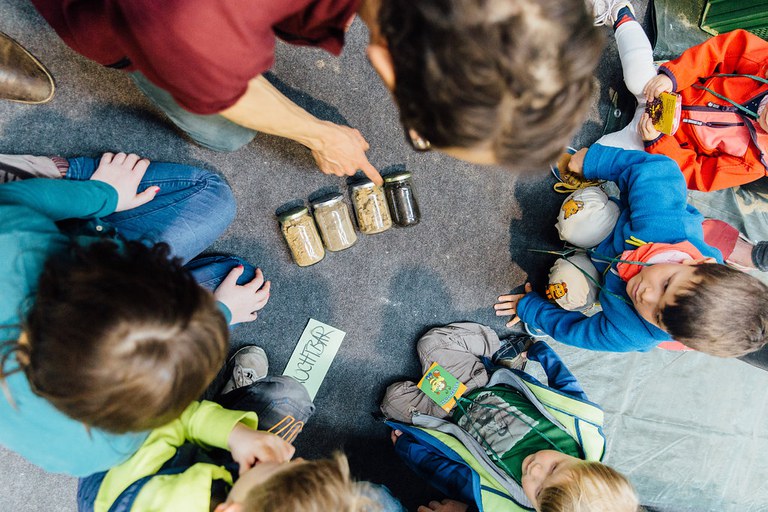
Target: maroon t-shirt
[{"x": 203, "y": 52}]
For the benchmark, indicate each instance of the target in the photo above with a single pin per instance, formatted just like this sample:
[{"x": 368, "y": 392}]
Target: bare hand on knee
[{"x": 124, "y": 173}]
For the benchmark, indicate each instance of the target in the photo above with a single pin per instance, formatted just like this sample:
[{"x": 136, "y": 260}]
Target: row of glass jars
[{"x": 376, "y": 209}]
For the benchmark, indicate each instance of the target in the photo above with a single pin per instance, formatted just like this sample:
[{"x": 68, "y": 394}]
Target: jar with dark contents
[
  {"x": 398, "y": 188},
  {"x": 302, "y": 237},
  {"x": 333, "y": 221},
  {"x": 370, "y": 207}
]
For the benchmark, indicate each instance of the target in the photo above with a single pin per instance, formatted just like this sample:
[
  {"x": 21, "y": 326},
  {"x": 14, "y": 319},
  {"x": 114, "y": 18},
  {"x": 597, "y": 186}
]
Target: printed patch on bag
[
  {"x": 556, "y": 291},
  {"x": 572, "y": 207},
  {"x": 442, "y": 387}
]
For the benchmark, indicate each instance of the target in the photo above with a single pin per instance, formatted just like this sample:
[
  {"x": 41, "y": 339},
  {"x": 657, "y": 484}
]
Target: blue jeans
[
  {"x": 191, "y": 210},
  {"x": 219, "y": 133}
]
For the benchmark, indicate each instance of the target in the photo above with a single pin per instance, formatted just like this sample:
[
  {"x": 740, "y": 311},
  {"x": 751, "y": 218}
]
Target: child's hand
[
  {"x": 395, "y": 435},
  {"x": 507, "y": 304},
  {"x": 243, "y": 301},
  {"x": 646, "y": 129},
  {"x": 124, "y": 173},
  {"x": 576, "y": 164},
  {"x": 443, "y": 506},
  {"x": 250, "y": 446},
  {"x": 656, "y": 86}
]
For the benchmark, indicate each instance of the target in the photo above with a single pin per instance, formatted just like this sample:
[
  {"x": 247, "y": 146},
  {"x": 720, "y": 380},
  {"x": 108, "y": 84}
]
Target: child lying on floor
[
  {"x": 661, "y": 280},
  {"x": 512, "y": 443}
]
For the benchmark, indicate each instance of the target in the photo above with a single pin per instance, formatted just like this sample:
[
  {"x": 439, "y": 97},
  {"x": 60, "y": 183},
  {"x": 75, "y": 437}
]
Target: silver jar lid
[
  {"x": 363, "y": 184},
  {"x": 327, "y": 200},
  {"x": 293, "y": 213}
]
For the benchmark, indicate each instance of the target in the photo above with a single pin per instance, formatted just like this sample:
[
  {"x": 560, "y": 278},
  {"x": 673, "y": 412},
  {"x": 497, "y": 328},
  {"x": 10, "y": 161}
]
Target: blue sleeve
[
  {"x": 559, "y": 377},
  {"x": 597, "y": 332},
  {"x": 652, "y": 186},
  {"x": 225, "y": 311},
  {"x": 440, "y": 471},
  {"x": 60, "y": 199}
]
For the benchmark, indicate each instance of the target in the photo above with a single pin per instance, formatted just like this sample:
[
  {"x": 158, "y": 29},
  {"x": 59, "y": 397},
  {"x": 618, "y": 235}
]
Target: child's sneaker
[
  {"x": 510, "y": 355},
  {"x": 606, "y": 11},
  {"x": 249, "y": 364}
]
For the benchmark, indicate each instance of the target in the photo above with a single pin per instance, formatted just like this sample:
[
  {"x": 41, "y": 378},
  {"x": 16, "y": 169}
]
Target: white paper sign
[{"x": 314, "y": 354}]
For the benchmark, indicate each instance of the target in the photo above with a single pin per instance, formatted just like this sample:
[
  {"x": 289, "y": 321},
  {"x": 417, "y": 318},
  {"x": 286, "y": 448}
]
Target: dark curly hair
[
  {"x": 120, "y": 336},
  {"x": 512, "y": 76}
]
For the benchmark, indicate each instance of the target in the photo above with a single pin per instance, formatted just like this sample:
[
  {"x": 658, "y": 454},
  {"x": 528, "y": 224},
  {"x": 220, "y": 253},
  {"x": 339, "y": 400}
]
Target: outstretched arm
[
  {"x": 559, "y": 377},
  {"x": 338, "y": 150}
]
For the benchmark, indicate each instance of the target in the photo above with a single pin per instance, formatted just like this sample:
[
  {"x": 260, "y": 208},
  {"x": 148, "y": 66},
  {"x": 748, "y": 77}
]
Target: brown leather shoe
[{"x": 22, "y": 77}]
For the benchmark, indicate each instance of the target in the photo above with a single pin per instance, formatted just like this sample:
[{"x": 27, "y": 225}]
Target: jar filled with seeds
[
  {"x": 398, "y": 188},
  {"x": 333, "y": 220},
  {"x": 302, "y": 237},
  {"x": 370, "y": 208}
]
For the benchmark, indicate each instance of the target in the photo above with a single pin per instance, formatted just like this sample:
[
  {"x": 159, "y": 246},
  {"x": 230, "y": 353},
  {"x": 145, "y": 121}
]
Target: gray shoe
[{"x": 249, "y": 364}]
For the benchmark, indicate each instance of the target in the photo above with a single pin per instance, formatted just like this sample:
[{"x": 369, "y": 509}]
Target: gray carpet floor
[{"x": 385, "y": 291}]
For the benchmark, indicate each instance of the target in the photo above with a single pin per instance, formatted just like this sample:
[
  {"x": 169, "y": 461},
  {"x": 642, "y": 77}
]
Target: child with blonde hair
[{"x": 511, "y": 443}]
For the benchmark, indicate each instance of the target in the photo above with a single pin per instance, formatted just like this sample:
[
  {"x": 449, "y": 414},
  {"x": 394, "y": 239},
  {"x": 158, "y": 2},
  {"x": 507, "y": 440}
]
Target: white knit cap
[
  {"x": 569, "y": 287},
  {"x": 587, "y": 217}
]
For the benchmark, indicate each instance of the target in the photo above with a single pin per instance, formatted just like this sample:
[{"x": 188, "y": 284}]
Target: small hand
[
  {"x": 243, "y": 301},
  {"x": 342, "y": 153},
  {"x": 646, "y": 129},
  {"x": 656, "y": 86},
  {"x": 576, "y": 163},
  {"x": 507, "y": 304},
  {"x": 250, "y": 446},
  {"x": 124, "y": 173},
  {"x": 443, "y": 506},
  {"x": 395, "y": 435}
]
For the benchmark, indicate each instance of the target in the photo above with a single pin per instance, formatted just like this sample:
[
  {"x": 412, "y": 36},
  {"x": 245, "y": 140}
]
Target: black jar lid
[
  {"x": 327, "y": 200},
  {"x": 293, "y": 213},
  {"x": 397, "y": 176}
]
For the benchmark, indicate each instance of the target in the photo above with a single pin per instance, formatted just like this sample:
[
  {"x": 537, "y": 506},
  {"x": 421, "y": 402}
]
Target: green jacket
[{"x": 205, "y": 424}]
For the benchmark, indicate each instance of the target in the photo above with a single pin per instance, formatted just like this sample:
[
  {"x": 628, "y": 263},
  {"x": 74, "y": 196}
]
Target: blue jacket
[
  {"x": 455, "y": 463},
  {"x": 653, "y": 209}
]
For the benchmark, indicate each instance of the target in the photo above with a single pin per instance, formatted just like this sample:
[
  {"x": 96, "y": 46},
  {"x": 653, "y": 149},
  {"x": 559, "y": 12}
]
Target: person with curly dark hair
[{"x": 490, "y": 81}]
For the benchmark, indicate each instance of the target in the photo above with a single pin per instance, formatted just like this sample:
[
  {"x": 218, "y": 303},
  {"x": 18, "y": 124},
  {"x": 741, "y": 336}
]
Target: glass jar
[
  {"x": 370, "y": 208},
  {"x": 398, "y": 188},
  {"x": 302, "y": 237},
  {"x": 333, "y": 221}
]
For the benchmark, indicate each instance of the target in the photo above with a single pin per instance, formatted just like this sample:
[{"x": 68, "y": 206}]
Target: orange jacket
[{"x": 717, "y": 146}]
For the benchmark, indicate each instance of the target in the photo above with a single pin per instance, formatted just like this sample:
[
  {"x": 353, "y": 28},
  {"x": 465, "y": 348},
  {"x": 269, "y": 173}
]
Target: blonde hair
[
  {"x": 591, "y": 487},
  {"x": 310, "y": 486}
]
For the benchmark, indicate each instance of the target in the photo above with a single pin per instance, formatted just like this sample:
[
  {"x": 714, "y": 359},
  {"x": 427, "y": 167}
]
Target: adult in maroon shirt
[{"x": 464, "y": 68}]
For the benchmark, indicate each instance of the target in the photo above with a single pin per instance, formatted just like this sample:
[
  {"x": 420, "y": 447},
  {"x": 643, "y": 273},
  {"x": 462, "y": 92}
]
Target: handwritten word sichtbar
[{"x": 310, "y": 351}]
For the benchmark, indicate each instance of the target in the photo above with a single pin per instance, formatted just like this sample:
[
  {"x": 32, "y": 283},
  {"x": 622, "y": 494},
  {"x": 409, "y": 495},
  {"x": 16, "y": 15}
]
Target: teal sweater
[{"x": 28, "y": 237}]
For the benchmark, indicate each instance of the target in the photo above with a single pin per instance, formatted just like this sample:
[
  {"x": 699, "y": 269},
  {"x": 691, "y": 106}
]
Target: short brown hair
[
  {"x": 121, "y": 338},
  {"x": 310, "y": 486},
  {"x": 723, "y": 313},
  {"x": 515, "y": 77},
  {"x": 590, "y": 487}
]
